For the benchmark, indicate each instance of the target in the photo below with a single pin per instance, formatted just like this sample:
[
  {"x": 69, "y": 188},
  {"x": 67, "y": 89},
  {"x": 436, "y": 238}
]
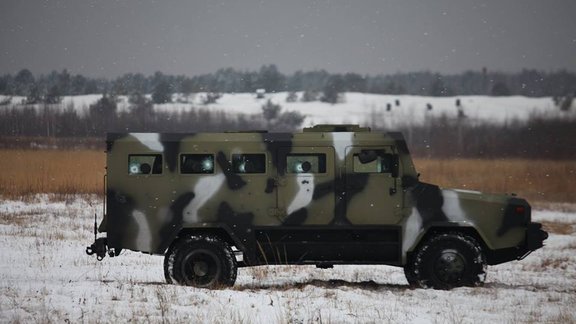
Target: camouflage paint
[{"x": 145, "y": 212}]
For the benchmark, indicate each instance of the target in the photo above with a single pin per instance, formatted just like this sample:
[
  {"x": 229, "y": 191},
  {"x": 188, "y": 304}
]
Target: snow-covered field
[
  {"x": 45, "y": 276},
  {"x": 358, "y": 108}
]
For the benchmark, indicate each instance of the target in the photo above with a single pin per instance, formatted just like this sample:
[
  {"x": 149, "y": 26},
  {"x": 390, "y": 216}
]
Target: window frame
[
  {"x": 322, "y": 163},
  {"x": 152, "y": 169},
  {"x": 180, "y": 164},
  {"x": 381, "y": 155},
  {"x": 233, "y": 163}
]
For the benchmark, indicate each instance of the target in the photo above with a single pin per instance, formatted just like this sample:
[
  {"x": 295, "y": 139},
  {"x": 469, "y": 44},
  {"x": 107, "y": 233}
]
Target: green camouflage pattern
[{"x": 241, "y": 182}]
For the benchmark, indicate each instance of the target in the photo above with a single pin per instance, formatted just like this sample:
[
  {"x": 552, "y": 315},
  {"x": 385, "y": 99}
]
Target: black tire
[
  {"x": 200, "y": 261},
  {"x": 447, "y": 261},
  {"x": 169, "y": 262}
]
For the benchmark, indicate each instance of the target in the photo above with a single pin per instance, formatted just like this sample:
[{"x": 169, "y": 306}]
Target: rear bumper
[
  {"x": 535, "y": 237},
  {"x": 99, "y": 247}
]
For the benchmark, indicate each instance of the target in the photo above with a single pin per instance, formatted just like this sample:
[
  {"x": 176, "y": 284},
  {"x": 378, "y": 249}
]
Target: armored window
[
  {"x": 249, "y": 163},
  {"x": 373, "y": 161},
  {"x": 144, "y": 164},
  {"x": 196, "y": 163},
  {"x": 306, "y": 163}
]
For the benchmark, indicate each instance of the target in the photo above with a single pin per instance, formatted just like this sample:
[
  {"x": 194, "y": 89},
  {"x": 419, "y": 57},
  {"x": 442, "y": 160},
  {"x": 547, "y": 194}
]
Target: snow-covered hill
[{"x": 360, "y": 108}]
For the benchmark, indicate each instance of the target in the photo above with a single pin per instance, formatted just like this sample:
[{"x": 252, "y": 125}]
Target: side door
[
  {"x": 134, "y": 199},
  {"x": 305, "y": 185},
  {"x": 305, "y": 208},
  {"x": 308, "y": 202},
  {"x": 374, "y": 195}
]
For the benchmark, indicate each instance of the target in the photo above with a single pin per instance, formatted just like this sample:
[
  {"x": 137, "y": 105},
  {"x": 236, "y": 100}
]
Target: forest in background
[
  {"x": 528, "y": 82},
  {"x": 439, "y": 137},
  {"x": 42, "y": 120}
]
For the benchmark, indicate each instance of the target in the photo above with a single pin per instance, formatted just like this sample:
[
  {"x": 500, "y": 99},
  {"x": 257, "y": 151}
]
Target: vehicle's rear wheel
[
  {"x": 200, "y": 261},
  {"x": 447, "y": 261}
]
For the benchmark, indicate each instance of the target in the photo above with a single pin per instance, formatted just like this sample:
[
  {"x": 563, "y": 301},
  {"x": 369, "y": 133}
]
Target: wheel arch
[
  {"x": 421, "y": 269},
  {"x": 442, "y": 229},
  {"x": 220, "y": 230}
]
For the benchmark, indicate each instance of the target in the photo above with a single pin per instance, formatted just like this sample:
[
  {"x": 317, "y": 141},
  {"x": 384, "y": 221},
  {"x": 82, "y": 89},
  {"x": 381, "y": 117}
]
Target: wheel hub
[
  {"x": 450, "y": 266},
  {"x": 200, "y": 268}
]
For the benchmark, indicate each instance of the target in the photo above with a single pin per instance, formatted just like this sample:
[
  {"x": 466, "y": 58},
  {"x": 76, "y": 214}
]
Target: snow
[
  {"x": 358, "y": 108},
  {"x": 46, "y": 276}
]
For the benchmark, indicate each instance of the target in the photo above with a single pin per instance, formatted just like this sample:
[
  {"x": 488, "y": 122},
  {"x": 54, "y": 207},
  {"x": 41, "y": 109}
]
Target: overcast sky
[{"x": 109, "y": 38}]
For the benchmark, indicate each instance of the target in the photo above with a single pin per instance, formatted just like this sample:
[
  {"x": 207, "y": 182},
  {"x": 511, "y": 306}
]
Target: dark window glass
[
  {"x": 196, "y": 163},
  {"x": 145, "y": 164},
  {"x": 373, "y": 161},
  {"x": 306, "y": 163},
  {"x": 249, "y": 163}
]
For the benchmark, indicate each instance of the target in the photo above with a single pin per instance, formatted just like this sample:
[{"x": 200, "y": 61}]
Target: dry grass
[
  {"x": 555, "y": 263},
  {"x": 65, "y": 172},
  {"x": 536, "y": 180},
  {"x": 558, "y": 228}
]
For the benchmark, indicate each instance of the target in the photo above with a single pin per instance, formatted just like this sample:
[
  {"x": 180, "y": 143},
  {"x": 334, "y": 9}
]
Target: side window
[
  {"x": 196, "y": 163},
  {"x": 144, "y": 164},
  {"x": 249, "y": 163},
  {"x": 373, "y": 161},
  {"x": 306, "y": 163}
]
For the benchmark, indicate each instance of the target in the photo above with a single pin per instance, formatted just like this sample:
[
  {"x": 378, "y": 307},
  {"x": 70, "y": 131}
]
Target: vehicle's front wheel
[
  {"x": 447, "y": 261},
  {"x": 201, "y": 261}
]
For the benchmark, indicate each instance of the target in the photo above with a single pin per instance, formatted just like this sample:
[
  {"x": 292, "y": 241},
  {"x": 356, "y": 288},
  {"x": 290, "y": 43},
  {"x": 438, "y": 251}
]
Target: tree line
[
  {"x": 54, "y": 125},
  {"x": 60, "y": 121},
  {"x": 320, "y": 84},
  {"x": 538, "y": 138},
  {"x": 42, "y": 116}
]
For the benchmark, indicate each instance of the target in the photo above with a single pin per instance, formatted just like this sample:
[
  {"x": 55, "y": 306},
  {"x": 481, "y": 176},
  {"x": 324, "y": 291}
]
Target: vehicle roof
[{"x": 383, "y": 138}]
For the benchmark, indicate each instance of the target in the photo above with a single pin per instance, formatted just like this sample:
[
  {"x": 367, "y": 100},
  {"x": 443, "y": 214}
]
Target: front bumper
[{"x": 535, "y": 237}]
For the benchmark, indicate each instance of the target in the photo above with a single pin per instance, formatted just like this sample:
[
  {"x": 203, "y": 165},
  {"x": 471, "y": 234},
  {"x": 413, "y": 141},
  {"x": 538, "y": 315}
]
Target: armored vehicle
[{"x": 332, "y": 194}]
